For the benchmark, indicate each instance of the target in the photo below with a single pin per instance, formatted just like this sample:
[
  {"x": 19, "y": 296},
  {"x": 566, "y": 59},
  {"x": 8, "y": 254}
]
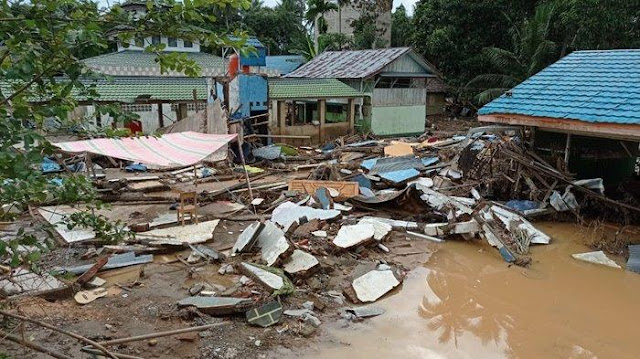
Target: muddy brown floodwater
[{"x": 467, "y": 303}]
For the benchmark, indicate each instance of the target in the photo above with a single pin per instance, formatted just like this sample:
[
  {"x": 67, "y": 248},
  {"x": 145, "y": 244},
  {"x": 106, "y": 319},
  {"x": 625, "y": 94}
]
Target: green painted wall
[{"x": 398, "y": 120}]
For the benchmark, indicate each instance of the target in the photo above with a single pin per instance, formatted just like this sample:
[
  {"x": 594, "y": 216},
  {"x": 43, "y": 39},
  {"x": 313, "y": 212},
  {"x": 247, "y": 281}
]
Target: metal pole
[
  {"x": 161, "y": 334},
  {"x": 566, "y": 152},
  {"x": 244, "y": 167}
]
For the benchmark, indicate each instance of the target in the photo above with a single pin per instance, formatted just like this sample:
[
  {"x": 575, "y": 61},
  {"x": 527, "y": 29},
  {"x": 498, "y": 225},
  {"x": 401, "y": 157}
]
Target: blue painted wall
[{"x": 253, "y": 93}]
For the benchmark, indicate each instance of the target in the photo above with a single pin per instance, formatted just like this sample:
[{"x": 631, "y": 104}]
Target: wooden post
[
  {"x": 567, "y": 150},
  {"x": 322, "y": 114},
  {"x": 281, "y": 114},
  {"x": 351, "y": 115},
  {"x": 182, "y": 111},
  {"x": 195, "y": 99},
  {"x": 160, "y": 115}
]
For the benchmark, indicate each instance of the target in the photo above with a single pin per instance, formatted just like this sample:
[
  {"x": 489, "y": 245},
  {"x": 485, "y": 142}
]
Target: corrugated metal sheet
[
  {"x": 142, "y": 63},
  {"x": 591, "y": 86},
  {"x": 284, "y": 63},
  {"x": 349, "y": 64},
  {"x": 286, "y": 88},
  {"x": 128, "y": 88}
]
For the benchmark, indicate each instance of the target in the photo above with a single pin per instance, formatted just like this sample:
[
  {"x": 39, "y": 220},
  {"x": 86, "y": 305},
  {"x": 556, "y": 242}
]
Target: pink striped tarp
[{"x": 170, "y": 150}]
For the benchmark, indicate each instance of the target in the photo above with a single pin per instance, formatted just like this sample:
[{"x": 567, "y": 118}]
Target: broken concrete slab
[
  {"x": 300, "y": 264},
  {"x": 382, "y": 228},
  {"x": 147, "y": 186},
  {"x": 267, "y": 279},
  {"x": 23, "y": 281},
  {"x": 217, "y": 305},
  {"x": 180, "y": 235},
  {"x": 596, "y": 257},
  {"x": 274, "y": 246},
  {"x": 443, "y": 229},
  {"x": 273, "y": 279},
  {"x": 247, "y": 238},
  {"x": 289, "y": 212},
  {"x": 394, "y": 223},
  {"x": 373, "y": 285},
  {"x": 353, "y": 235},
  {"x": 306, "y": 315},
  {"x": 203, "y": 252},
  {"x": 265, "y": 315},
  {"x": 319, "y": 234},
  {"x": 366, "y": 311},
  {"x": 115, "y": 261},
  {"x": 55, "y": 215}
]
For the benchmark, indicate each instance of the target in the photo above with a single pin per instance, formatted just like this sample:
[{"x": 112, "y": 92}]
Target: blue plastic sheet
[
  {"x": 136, "y": 167},
  {"x": 50, "y": 166},
  {"x": 428, "y": 161},
  {"x": 522, "y": 205}
]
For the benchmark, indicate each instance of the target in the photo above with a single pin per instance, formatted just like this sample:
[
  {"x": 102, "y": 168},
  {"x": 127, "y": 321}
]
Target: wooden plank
[
  {"x": 607, "y": 130},
  {"x": 346, "y": 189}
]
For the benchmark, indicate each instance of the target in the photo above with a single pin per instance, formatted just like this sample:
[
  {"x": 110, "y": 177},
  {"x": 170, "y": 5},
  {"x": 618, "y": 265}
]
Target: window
[
  {"x": 155, "y": 40},
  {"x": 394, "y": 82},
  {"x": 139, "y": 41},
  {"x": 187, "y": 43},
  {"x": 191, "y": 107},
  {"x": 173, "y": 42},
  {"x": 136, "y": 108}
]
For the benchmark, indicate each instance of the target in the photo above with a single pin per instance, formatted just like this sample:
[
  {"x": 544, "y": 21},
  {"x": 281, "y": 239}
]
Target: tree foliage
[
  {"x": 41, "y": 78},
  {"x": 453, "y": 34},
  {"x": 401, "y": 28},
  {"x": 366, "y": 32},
  {"x": 531, "y": 52}
]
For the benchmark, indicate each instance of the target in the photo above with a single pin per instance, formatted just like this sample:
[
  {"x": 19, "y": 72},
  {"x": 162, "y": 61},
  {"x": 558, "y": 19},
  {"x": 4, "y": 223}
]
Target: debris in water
[{"x": 597, "y": 257}]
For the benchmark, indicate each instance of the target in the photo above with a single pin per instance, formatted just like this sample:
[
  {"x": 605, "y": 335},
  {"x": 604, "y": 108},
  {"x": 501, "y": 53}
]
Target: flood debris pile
[{"x": 300, "y": 235}]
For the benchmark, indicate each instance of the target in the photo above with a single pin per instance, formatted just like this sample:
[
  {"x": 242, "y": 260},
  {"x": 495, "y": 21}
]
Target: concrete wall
[
  {"x": 149, "y": 119},
  {"x": 348, "y": 14},
  {"x": 436, "y": 103},
  {"x": 398, "y": 120}
]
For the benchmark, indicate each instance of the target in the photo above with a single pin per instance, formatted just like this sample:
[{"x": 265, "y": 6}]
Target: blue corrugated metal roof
[
  {"x": 591, "y": 86},
  {"x": 285, "y": 63}
]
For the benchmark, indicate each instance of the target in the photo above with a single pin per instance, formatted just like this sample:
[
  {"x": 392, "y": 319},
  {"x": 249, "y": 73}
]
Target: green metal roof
[
  {"x": 299, "y": 88},
  {"x": 141, "y": 63},
  {"x": 129, "y": 89}
]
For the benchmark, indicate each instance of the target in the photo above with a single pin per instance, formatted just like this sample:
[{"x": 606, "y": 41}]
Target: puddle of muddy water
[{"x": 467, "y": 303}]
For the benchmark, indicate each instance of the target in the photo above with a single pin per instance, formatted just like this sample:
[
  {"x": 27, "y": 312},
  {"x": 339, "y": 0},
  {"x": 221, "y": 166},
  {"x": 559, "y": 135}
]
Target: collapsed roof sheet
[{"x": 170, "y": 150}]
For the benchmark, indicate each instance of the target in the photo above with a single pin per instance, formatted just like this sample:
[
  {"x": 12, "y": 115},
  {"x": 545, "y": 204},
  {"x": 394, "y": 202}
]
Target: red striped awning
[{"x": 170, "y": 150}]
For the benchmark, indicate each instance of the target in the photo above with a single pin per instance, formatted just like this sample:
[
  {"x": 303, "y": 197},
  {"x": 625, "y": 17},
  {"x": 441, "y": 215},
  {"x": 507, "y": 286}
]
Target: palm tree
[
  {"x": 316, "y": 11},
  {"x": 531, "y": 52},
  {"x": 305, "y": 47}
]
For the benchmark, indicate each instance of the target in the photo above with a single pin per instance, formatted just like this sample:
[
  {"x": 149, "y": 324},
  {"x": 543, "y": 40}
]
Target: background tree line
[{"x": 483, "y": 47}]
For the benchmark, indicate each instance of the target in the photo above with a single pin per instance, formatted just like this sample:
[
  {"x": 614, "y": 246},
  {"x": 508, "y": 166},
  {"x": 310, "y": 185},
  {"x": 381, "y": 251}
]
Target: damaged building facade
[
  {"x": 395, "y": 83},
  {"x": 582, "y": 112}
]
